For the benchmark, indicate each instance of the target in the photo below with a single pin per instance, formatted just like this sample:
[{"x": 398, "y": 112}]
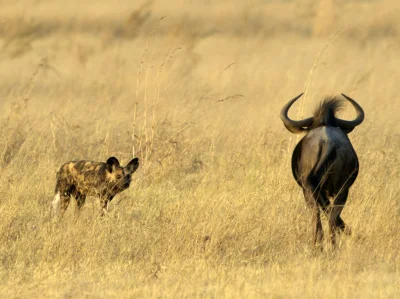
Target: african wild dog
[{"x": 87, "y": 178}]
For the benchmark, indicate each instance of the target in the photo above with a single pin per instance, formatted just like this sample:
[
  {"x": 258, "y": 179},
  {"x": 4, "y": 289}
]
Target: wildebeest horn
[
  {"x": 294, "y": 126},
  {"x": 348, "y": 125}
]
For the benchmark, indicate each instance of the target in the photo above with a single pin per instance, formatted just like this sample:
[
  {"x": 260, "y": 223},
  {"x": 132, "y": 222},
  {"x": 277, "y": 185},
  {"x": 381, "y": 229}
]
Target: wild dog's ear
[
  {"x": 133, "y": 165},
  {"x": 112, "y": 163}
]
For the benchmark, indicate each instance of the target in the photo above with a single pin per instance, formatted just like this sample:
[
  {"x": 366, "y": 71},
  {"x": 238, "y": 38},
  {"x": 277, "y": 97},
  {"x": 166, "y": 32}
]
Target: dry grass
[{"x": 213, "y": 210}]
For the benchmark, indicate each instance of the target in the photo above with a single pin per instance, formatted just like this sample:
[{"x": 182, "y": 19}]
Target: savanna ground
[{"x": 213, "y": 210}]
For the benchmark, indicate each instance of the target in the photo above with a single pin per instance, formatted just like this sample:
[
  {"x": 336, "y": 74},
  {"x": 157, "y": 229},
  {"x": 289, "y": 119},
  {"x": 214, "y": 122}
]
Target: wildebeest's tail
[
  {"x": 325, "y": 160},
  {"x": 324, "y": 115}
]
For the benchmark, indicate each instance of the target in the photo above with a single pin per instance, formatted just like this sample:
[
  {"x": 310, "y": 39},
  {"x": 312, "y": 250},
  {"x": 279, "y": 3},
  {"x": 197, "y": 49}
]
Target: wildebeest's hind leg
[
  {"x": 312, "y": 203},
  {"x": 342, "y": 226},
  {"x": 338, "y": 205},
  {"x": 325, "y": 204}
]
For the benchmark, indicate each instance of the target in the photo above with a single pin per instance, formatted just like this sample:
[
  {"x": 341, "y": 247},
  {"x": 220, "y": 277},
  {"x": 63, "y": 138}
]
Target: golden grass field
[{"x": 194, "y": 91}]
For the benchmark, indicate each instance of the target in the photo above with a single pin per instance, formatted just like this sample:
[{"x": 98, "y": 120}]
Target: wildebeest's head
[
  {"x": 325, "y": 115},
  {"x": 118, "y": 177}
]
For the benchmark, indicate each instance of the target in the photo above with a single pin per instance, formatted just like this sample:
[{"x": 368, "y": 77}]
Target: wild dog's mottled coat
[{"x": 87, "y": 178}]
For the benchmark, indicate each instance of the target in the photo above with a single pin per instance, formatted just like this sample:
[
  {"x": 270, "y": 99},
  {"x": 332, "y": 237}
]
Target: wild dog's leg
[
  {"x": 104, "y": 201},
  {"x": 80, "y": 200},
  {"x": 338, "y": 205},
  {"x": 103, "y": 205},
  {"x": 312, "y": 203},
  {"x": 65, "y": 198}
]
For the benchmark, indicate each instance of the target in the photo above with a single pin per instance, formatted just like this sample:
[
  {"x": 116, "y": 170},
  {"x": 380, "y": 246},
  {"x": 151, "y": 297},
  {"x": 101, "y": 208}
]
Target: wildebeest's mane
[{"x": 324, "y": 115}]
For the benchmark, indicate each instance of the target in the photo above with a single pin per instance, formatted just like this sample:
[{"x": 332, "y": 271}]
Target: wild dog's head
[{"x": 118, "y": 177}]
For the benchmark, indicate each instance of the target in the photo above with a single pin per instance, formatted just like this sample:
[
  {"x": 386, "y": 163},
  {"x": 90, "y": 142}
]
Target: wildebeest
[
  {"x": 324, "y": 162},
  {"x": 87, "y": 178}
]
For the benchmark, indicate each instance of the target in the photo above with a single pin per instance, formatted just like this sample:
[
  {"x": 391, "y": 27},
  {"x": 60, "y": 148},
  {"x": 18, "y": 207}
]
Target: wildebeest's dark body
[{"x": 324, "y": 162}]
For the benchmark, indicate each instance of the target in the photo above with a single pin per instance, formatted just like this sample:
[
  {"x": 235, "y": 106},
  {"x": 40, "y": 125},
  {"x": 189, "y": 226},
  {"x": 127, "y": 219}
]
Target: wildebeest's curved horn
[
  {"x": 348, "y": 125},
  {"x": 294, "y": 126}
]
